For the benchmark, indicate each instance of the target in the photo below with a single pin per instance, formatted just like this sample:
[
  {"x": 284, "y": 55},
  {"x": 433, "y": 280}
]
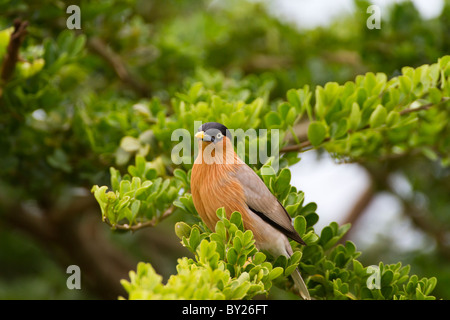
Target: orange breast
[{"x": 212, "y": 188}]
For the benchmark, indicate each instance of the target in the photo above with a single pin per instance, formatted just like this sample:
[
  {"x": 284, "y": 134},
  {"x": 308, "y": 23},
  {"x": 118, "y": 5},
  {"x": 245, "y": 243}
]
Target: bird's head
[
  {"x": 213, "y": 132},
  {"x": 214, "y": 137}
]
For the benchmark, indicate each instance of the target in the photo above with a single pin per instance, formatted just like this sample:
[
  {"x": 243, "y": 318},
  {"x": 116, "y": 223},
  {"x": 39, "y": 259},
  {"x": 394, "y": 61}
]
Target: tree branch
[
  {"x": 302, "y": 147},
  {"x": 361, "y": 204},
  {"x": 141, "y": 225},
  {"x": 99, "y": 47},
  {"x": 12, "y": 52}
]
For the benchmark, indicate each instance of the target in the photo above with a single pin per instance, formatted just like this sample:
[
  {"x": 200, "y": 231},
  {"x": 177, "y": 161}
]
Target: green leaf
[
  {"x": 291, "y": 116},
  {"x": 358, "y": 268},
  {"x": 115, "y": 178},
  {"x": 378, "y": 117},
  {"x": 294, "y": 98},
  {"x": 135, "y": 206},
  {"x": 259, "y": 258},
  {"x": 232, "y": 256},
  {"x": 419, "y": 294},
  {"x": 300, "y": 225},
  {"x": 350, "y": 247},
  {"x": 182, "y": 229},
  {"x": 181, "y": 175},
  {"x": 405, "y": 84},
  {"x": 130, "y": 144},
  {"x": 316, "y": 133},
  {"x": 434, "y": 95},
  {"x": 320, "y": 107},
  {"x": 194, "y": 238},
  {"x": 78, "y": 45},
  {"x": 272, "y": 120},
  {"x": 4, "y": 38},
  {"x": 310, "y": 238},
  {"x": 387, "y": 278},
  {"x": 309, "y": 208},
  {"x": 293, "y": 262},
  {"x": 431, "y": 284},
  {"x": 125, "y": 187},
  {"x": 326, "y": 235},
  {"x": 237, "y": 242},
  {"x": 236, "y": 219},
  {"x": 338, "y": 129},
  {"x": 342, "y": 230},
  {"x": 282, "y": 182},
  {"x": 275, "y": 273},
  {"x": 311, "y": 219},
  {"x": 221, "y": 214},
  {"x": 393, "y": 118},
  {"x": 355, "y": 117},
  {"x": 241, "y": 290},
  {"x": 248, "y": 238},
  {"x": 330, "y": 243}
]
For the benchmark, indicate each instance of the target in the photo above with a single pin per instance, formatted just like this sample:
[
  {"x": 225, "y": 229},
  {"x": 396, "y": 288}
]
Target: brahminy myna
[{"x": 221, "y": 179}]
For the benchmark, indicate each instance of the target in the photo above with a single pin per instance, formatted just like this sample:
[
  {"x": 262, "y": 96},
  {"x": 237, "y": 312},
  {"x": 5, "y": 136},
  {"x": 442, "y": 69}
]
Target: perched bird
[{"x": 221, "y": 179}]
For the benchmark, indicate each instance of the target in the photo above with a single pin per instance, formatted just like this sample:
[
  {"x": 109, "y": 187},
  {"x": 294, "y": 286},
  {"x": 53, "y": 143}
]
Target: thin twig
[
  {"x": 423, "y": 107},
  {"x": 297, "y": 147},
  {"x": 141, "y": 225}
]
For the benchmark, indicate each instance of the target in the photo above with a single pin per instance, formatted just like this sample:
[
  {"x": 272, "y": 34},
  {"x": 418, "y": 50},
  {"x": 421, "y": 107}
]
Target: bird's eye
[{"x": 219, "y": 135}]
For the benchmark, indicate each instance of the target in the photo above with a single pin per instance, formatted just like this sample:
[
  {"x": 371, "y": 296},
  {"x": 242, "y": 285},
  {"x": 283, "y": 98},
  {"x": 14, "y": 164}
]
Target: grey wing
[{"x": 262, "y": 202}]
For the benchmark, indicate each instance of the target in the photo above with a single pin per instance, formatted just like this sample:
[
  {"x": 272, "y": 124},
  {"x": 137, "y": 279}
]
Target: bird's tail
[{"x": 300, "y": 284}]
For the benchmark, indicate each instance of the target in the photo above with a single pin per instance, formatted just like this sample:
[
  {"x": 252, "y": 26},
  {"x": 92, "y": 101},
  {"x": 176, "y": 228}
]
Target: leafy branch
[
  {"x": 306, "y": 145},
  {"x": 141, "y": 225}
]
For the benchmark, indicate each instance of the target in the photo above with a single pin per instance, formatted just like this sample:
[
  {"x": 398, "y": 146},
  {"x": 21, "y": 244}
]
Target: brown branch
[
  {"x": 12, "y": 52},
  {"x": 361, "y": 204},
  {"x": 99, "y": 47},
  {"x": 142, "y": 225},
  {"x": 304, "y": 146},
  {"x": 423, "y": 107}
]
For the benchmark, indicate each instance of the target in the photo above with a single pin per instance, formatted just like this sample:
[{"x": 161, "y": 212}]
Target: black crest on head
[{"x": 212, "y": 128}]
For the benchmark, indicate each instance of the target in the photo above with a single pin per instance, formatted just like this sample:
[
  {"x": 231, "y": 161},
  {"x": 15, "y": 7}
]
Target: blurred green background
[{"x": 56, "y": 141}]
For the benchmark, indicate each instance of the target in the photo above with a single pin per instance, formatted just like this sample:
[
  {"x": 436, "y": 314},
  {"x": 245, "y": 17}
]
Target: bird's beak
[
  {"x": 200, "y": 135},
  {"x": 203, "y": 136}
]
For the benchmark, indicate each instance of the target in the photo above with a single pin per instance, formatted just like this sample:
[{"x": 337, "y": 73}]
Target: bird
[{"x": 220, "y": 179}]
